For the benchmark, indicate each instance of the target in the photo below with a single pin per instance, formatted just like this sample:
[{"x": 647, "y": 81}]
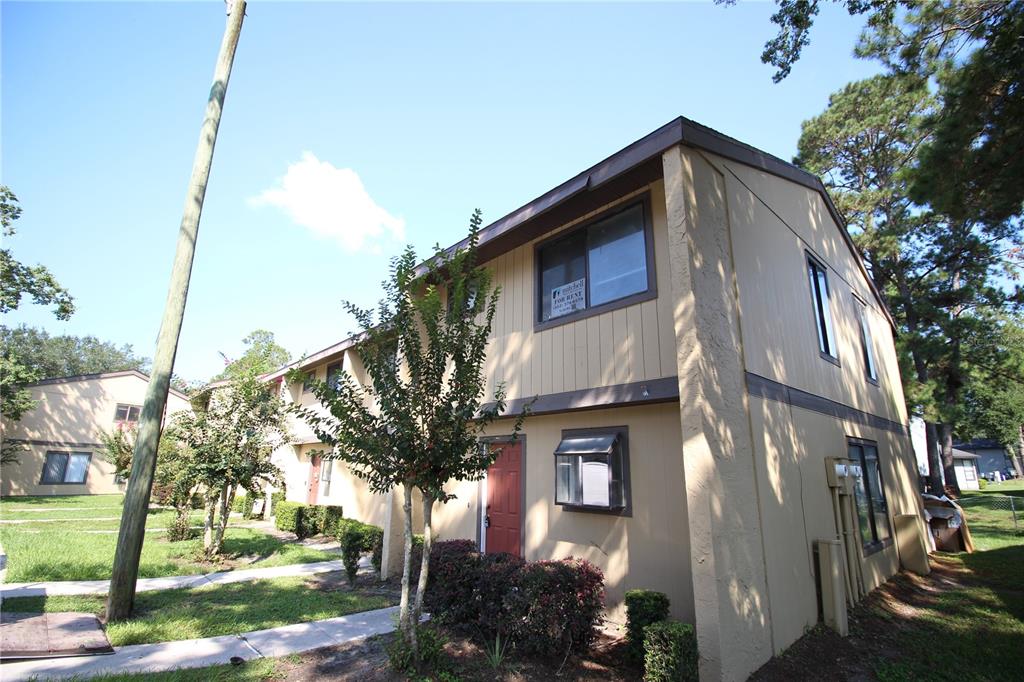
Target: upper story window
[
  {"x": 65, "y": 467},
  {"x": 818, "y": 276},
  {"x": 592, "y": 470},
  {"x": 307, "y": 383},
  {"x": 604, "y": 264},
  {"x": 866, "y": 344},
  {"x": 872, "y": 509},
  {"x": 334, "y": 376},
  {"x": 127, "y": 414}
]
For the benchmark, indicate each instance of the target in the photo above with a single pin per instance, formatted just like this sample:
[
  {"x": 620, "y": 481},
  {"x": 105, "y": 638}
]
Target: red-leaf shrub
[{"x": 545, "y": 607}]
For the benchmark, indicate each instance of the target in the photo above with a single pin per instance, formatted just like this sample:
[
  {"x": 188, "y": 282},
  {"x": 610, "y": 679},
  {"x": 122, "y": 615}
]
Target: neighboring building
[
  {"x": 700, "y": 337},
  {"x": 62, "y": 433},
  {"x": 992, "y": 456},
  {"x": 966, "y": 466}
]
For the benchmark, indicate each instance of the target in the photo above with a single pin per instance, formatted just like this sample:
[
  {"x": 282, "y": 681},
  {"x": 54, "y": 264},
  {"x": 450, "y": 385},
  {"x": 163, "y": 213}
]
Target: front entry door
[
  {"x": 503, "y": 516},
  {"x": 314, "y": 479}
]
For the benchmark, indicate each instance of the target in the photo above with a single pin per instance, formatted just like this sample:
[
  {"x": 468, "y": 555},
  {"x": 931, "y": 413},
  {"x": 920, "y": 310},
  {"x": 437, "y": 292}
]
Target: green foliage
[
  {"x": 670, "y": 652},
  {"x": 429, "y": 651},
  {"x": 643, "y": 607},
  {"x": 982, "y": 483},
  {"x": 351, "y": 548},
  {"x": 17, "y": 280},
  {"x": 287, "y": 517},
  {"x": 181, "y": 528},
  {"x": 61, "y": 356},
  {"x": 262, "y": 355}
]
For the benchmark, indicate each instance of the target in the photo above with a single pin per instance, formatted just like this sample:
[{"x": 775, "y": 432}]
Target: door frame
[
  {"x": 313, "y": 485},
  {"x": 481, "y": 531}
]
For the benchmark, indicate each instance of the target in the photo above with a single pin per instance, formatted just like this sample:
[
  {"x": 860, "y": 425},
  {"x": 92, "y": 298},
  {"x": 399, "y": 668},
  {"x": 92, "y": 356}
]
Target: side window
[
  {"x": 307, "y": 384},
  {"x": 326, "y": 471},
  {"x": 818, "y": 276},
  {"x": 65, "y": 467},
  {"x": 869, "y": 493},
  {"x": 594, "y": 266},
  {"x": 334, "y": 376},
  {"x": 866, "y": 343},
  {"x": 127, "y": 414},
  {"x": 592, "y": 470}
]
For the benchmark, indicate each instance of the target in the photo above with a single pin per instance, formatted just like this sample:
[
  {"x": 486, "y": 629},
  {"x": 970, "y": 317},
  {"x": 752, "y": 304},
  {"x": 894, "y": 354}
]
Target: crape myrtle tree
[
  {"x": 231, "y": 433},
  {"x": 418, "y": 420}
]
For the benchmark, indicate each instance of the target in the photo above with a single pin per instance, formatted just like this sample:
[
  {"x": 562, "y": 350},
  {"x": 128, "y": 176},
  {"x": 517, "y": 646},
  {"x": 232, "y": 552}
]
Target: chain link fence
[{"x": 1006, "y": 508}]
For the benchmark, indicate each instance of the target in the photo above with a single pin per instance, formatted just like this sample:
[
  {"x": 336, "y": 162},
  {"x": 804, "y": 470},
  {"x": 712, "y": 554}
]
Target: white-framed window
[
  {"x": 817, "y": 273},
  {"x": 326, "y": 471},
  {"x": 127, "y": 414},
  {"x": 62, "y": 468},
  {"x": 592, "y": 470},
  {"x": 867, "y": 344},
  {"x": 602, "y": 265}
]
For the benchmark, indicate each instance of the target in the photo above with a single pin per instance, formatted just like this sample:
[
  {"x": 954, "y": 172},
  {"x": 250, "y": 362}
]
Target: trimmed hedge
[
  {"x": 643, "y": 607},
  {"x": 287, "y": 517},
  {"x": 546, "y": 608},
  {"x": 307, "y": 520},
  {"x": 670, "y": 652},
  {"x": 357, "y": 537}
]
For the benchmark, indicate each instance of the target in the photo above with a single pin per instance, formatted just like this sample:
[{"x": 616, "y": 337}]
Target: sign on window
[
  {"x": 594, "y": 476},
  {"x": 568, "y": 298}
]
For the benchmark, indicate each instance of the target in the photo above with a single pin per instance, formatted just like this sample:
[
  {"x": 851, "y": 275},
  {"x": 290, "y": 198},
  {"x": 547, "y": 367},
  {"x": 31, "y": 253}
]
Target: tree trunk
[
  {"x": 421, "y": 587},
  {"x": 226, "y": 498},
  {"x": 931, "y": 433},
  {"x": 948, "y": 466},
  {"x": 1018, "y": 458},
  {"x": 210, "y": 509},
  {"x": 405, "y": 622}
]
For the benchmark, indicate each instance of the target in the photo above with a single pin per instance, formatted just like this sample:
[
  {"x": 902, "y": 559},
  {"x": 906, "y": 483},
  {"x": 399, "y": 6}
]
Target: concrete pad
[{"x": 49, "y": 635}]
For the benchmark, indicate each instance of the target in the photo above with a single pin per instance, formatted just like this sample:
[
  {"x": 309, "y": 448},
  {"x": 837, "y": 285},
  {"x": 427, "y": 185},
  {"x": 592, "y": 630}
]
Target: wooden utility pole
[{"x": 136, "y": 501}]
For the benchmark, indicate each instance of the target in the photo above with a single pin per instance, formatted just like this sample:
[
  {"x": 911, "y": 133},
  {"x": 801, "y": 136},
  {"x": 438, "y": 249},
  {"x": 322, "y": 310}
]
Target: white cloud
[{"x": 332, "y": 203}]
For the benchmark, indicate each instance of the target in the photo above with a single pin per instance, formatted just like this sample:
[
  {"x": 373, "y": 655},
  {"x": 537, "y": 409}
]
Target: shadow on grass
[{"x": 233, "y": 608}]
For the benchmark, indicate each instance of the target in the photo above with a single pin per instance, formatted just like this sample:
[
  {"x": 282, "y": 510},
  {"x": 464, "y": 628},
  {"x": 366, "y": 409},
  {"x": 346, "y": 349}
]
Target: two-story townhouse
[
  {"x": 700, "y": 340},
  {"x": 61, "y": 435}
]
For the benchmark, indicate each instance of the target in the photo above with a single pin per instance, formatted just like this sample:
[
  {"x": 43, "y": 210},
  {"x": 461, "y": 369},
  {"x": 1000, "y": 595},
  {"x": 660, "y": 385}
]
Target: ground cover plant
[
  {"x": 57, "y": 554},
  {"x": 170, "y": 615}
]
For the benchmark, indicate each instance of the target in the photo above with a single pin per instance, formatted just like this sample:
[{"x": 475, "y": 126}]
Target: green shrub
[
  {"x": 288, "y": 517},
  {"x": 670, "y": 652},
  {"x": 238, "y": 504},
  {"x": 982, "y": 483},
  {"x": 330, "y": 517},
  {"x": 277, "y": 498},
  {"x": 643, "y": 607},
  {"x": 430, "y": 643},
  {"x": 180, "y": 528},
  {"x": 351, "y": 547}
]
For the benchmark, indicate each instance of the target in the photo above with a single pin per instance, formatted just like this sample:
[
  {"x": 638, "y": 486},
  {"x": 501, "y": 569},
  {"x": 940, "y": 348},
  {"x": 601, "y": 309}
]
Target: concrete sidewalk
[
  {"x": 67, "y": 587},
  {"x": 200, "y": 653}
]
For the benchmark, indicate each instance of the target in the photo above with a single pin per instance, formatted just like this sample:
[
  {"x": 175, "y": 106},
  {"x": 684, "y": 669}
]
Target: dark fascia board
[
  {"x": 103, "y": 375},
  {"x": 316, "y": 358},
  {"x": 632, "y": 167},
  {"x": 620, "y": 395}
]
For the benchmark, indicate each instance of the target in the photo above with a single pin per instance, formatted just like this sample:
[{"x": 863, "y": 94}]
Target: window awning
[{"x": 587, "y": 445}]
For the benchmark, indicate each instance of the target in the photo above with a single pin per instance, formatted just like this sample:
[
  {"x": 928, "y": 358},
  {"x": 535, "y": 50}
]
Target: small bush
[
  {"x": 982, "y": 483},
  {"x": 288, "y": 517},
  {"x": 238, "y": 504},
  {"x": 430, "y": 643},
  {"x": 643, "y": 607},
  {"x": 277, "y": 498},
  {"x": 330, "y": 517},
  {"x": 180, "y": 528},
  {"x": 546, "y": 608},
  {"x": 670, "y": 652},
  {"x": 351, "y": 547},
  {"x": 454, "y": 573}
]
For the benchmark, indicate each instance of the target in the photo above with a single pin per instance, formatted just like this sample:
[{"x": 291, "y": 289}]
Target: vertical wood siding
[{"x": 634, "y": 343}]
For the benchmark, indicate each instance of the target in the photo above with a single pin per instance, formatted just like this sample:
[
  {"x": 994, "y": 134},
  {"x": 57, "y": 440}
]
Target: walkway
[
  {"x": 200, "y": 653},
  {"x": 67, "y": 587}
]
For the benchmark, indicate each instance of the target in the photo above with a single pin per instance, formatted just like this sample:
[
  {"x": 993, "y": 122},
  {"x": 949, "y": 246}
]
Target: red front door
[
  {"x": 504, "y": 517},
  {"x": 314, "y": 479}
]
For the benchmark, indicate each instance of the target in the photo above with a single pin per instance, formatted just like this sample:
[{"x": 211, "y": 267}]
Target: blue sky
[{"x": 348, "y": 130}]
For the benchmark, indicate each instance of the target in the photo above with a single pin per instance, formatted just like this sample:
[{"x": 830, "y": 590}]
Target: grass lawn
[
  {"x": 61, "y": 507},
  {"x": 57, "y": 554},
  {"x": 170, "y": 615},
  {"x": 251, "y": 671},
  {"x": 963, "y": 622}
]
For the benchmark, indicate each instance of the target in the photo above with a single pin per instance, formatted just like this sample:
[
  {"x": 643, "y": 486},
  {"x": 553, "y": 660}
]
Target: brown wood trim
[
  {"x": 623, "y": 431},
  {"x": 661, "y": 390},
  {"x": 54, "y": 443},
  {"x": 761, "y": 387}
]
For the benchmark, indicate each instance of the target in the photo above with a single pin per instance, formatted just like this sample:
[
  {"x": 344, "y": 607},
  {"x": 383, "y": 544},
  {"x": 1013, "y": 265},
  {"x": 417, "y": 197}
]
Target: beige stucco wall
[
  {"x": 647, "y": 550},
  {"x": 69, "y": 417}
]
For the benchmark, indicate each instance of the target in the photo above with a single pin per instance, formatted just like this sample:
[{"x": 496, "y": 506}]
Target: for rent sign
[{"x": 568, "y": 298}]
